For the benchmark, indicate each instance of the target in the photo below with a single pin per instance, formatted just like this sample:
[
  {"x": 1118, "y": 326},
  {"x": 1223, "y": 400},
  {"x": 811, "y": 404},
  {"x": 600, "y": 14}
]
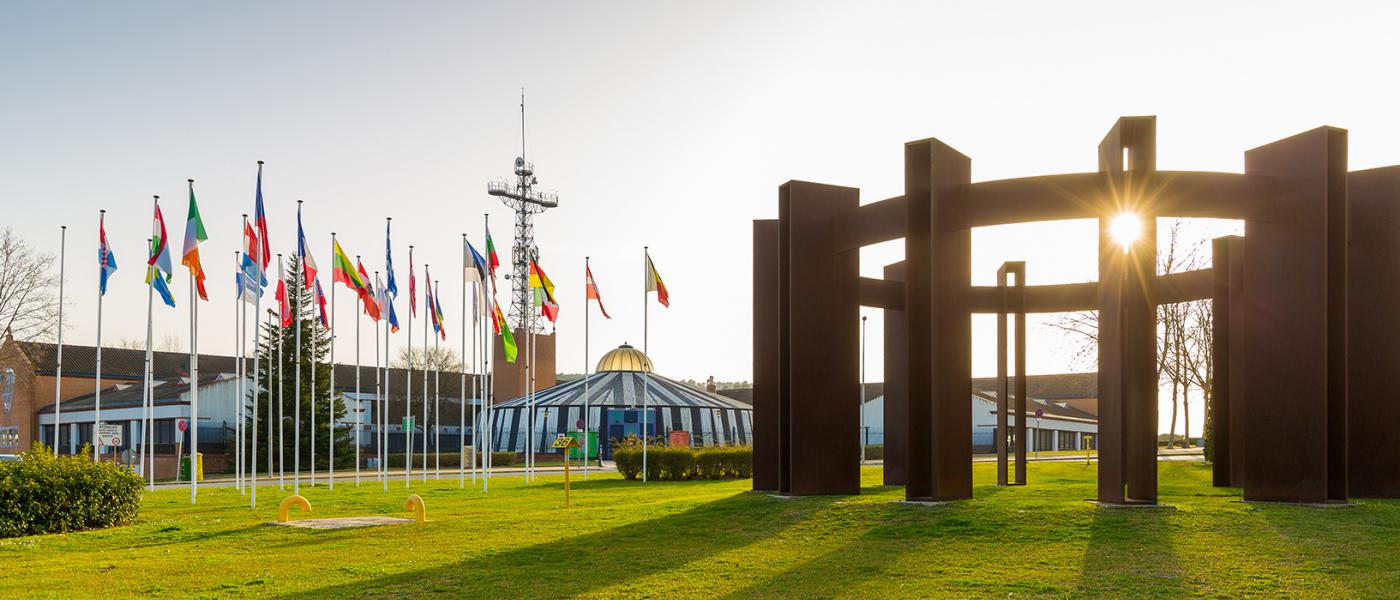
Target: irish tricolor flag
[{"x": 194, "y": 234}]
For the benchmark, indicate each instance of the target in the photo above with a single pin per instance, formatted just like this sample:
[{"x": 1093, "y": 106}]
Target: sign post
[
  {"x": 1039, "y": 413},
  {"x": 181, "y": 425},
  {"x": 565, "y": 443}
]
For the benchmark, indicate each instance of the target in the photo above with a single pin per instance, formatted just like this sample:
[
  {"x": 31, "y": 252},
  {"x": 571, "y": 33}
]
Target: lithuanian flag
[{"x": 343, "y": 271}]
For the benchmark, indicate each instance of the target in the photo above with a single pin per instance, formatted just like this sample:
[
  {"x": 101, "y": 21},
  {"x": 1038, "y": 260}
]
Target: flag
[
  {"x": 393, "y": 316},
  {"x": 507, "y": 340},
  {"x": 246, "y": 281},
  {"x": 476, "y": 269},
  {"x": 442, "y": 325},
  {"x": 370, "y": 294},
  {"x": 342, "y": 271},
  {"x": 540, "y": 281},
  {"x": 591, "y": 293},
  {"x": 412, "y": 287},
  {"x": 308, "y": 264},
  {"x": 160, "y": 247},
  {"x": 153, "y": 277},
  {"x": 264, "y": 254},
  {"x": 106, "y": 261},
  {"x": 428, "y": 304},
  {"x": 194, "y": 234},
  {"x": 252, "y": 264},
  {"x": 392, "y": 287},
  {"x": 285, "y": 309},
  {"x": 654, "y": 284},
  {"x": 495, "y": 261},
  {"x": 321, "y": 304}
]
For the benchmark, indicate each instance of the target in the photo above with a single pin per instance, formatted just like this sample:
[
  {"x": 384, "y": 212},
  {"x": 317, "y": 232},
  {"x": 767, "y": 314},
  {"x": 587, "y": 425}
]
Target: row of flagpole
[{"x": 251, "y": 265}]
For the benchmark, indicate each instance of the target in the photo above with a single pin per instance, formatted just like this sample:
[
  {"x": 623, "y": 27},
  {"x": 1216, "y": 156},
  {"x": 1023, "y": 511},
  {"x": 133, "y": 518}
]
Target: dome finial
[{"x": 625, "y": 358}]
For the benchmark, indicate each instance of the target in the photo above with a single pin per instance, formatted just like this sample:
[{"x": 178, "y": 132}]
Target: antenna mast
[{"x": 522, "y": 197}]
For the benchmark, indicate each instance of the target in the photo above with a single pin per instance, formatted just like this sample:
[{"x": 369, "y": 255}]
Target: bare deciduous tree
[
  {"x": 441, "y": 359},
  {"x": 1183, "y": 333},
  {"x": 28, "y": 307}
]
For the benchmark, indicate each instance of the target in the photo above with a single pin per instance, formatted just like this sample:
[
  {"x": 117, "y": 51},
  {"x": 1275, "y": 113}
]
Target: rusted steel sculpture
[{"x": 1289, "y": 303}]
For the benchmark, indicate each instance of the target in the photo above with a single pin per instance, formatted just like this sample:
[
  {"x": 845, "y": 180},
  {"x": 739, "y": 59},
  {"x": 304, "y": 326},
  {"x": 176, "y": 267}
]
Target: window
[
  {"x": 1069, "y": 440},
  {"x": 1044, "y": 439}
]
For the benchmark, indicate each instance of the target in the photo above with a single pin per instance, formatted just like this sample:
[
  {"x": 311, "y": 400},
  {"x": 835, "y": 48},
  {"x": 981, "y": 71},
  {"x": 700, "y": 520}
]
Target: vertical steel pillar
[
  {"x": 938, "y": 257},
  {"x": 767, "y": 377},
  {"x": 1373, "y": 446},
  {"x": 820, "y": 342},
  {"x": 896, "y": 388},
  {"x": 1295, "y": 289},
  {"x": 1012, "y": 300},
  {"x": 1128, "y": 320},
  {"x": 1227, "y": 397}
]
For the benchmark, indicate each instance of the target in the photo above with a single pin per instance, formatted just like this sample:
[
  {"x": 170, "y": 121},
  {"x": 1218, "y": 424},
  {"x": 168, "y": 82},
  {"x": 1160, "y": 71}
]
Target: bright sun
[{"x": 1125, "y": 229}]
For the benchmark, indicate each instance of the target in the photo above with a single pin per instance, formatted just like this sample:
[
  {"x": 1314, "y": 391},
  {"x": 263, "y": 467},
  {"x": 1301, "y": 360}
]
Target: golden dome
[{"x": 625, "y": 358}]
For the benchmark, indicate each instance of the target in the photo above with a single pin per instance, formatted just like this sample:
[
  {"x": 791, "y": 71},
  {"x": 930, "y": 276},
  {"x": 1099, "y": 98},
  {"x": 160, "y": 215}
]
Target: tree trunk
[
  {"x": 1171, "y": 433},
  {"x": 1186, "y": 413}
]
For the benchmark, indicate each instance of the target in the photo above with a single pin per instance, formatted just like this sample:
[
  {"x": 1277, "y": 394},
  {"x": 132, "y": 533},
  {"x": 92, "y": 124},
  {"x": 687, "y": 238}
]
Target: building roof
[
  {"x": 1051, "y": 408},
  {"x": 1057, "y": 386},
  {"x": 625, "y": 358},
  {"x": 623, "y": 389},
  {"x": 119, "y": 363},
  {"x": 126, "y": 395}
]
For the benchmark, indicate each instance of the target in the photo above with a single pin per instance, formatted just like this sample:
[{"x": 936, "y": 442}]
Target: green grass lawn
[{"x": 716, "y": 540}]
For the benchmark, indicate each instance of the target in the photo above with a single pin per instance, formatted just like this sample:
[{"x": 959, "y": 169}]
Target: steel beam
[
  {"x": 938, "y": 256},
  {"x": 767, "y": 377},
  {"x": 1373, "y": 407},
  {"x": 1295, "y": 286},
  {"x": 896, "y": 387},
  {"x": 1227, "y": 396},
  {"x": 820, "y": 346}
]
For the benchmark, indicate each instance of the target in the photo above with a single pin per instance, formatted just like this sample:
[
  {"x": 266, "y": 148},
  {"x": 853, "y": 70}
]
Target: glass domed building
[{"x": 614, "y": 393}]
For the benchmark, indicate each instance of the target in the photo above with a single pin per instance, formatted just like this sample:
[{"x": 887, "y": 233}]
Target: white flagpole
[
  {"x": 488, "y": 347},
  {"x": 437, "y": 393},
  {"x": 646, "y": 357},
  {"x": 315, "y": 318},
  {"x": 58, "y": 401},
  {"x": 378, "y": 383},
  {"x": 426, "y": 283},
  {"x": 257, "y": 387},
  {"x": 148, "y": 437},
  {"x": 194, "y": 395},
  {"x": 97, "y": 397},
  {"x": 238, "y": 368},
  {"x": 461, "y": 418},
  {"x": 281, "y": 396},
  {"x": 330, "y": 388},
  {"x": 359, "y": 401},
  {"x": 296, "y": 321},
  {"x": 587, "y": 421},
  {"x": 408, "y": 384},
  {"x": 384, "y": 399}
]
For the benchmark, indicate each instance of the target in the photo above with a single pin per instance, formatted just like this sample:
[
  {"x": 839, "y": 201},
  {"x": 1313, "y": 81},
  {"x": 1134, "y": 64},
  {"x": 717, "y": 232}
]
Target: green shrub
[
  {"x": 44, "y": 493},
  {"x": 502, "y": 459},
  {"x": 875, "y": 452},
  {"x": 679, "y": 464}
]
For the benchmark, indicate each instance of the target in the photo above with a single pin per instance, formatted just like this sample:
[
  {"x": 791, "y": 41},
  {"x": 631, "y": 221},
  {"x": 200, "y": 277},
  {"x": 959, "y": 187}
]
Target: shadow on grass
[
  {"x": 577, "y": 565},
  {"x": 1130, "y": 554}
]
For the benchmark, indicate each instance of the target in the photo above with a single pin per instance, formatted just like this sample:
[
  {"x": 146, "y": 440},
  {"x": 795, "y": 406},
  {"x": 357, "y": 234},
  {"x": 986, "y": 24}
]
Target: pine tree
[{"x": 315, "y": 346}]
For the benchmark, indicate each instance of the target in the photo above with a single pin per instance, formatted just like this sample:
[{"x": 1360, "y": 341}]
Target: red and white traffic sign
[{"x": 182, "y": 424}]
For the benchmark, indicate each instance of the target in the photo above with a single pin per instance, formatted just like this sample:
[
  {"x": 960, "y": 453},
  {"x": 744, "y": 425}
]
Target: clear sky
[{"x": 666, "y": 124}]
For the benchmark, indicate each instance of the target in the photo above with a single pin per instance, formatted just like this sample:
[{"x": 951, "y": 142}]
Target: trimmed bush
[
  {"x": 875, "y": 452},
  {"x": 679, "y": 464},
  {"x": 43, "y": 493}
]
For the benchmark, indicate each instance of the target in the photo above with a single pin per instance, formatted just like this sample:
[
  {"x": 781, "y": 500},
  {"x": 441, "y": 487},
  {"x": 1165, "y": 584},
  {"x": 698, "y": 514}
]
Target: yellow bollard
[
  {"x": 415, "y": 504},
  {"x": 287, "y": 504}
]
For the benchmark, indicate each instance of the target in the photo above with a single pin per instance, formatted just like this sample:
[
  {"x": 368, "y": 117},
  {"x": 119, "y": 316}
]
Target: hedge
[
  {"x": 43, "y": 493},
  {"x": 682, "y": 463},
  {"x": 875, "y": 452}
]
